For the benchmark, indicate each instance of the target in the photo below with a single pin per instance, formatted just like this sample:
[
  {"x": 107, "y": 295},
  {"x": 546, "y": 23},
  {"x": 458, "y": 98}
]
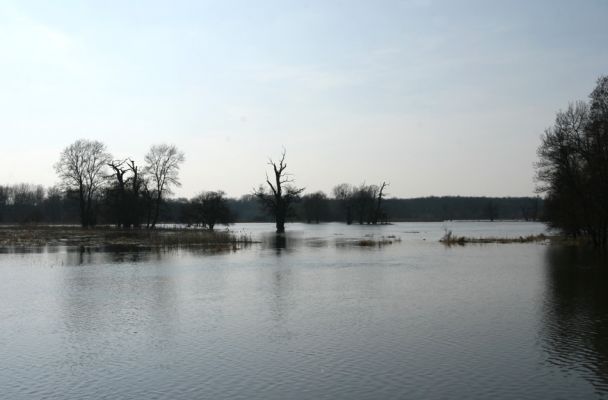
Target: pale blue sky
[{"x": 436, "y": 97}]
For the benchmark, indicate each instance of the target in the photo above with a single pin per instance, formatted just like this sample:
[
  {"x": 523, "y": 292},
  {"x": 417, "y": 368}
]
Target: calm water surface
[{"x": 311, "y": 316}]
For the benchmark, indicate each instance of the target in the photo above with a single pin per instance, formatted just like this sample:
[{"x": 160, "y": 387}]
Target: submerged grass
[
  {"x": 29, "y": 236},
  {"x": 449, "y": 239},
  {"x": 369, "y": 241}
]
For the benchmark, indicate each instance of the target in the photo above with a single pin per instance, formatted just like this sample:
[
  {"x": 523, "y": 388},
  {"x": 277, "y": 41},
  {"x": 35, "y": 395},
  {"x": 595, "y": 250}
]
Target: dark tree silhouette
[
  {"x": 379, "y": 214},
  {"x": 26, "y": 203},
  {"x": 560, "y": 170},
  {"x": 4, "y": 195},
  {"x": 135, "y": 199},
  {"x": 280, "y": 195},
  {"x": 81, "y": 168},
  {"x": 363, "y": 203},
  {"x": 573, "y": 168},
  {"x": 315, "y": 207},
  {"x": 162, "y": 165},
  {"x": 55, "y": 206},
  {"x": 124, "y": 194},
  {"x": 23, "y": 203},
  {"x": 530, "y": 209},
  {"x": 364, "y": 200},
  {"x": 211, "y": 208},
  {"x": 491, "y": 210},
  {"x": 116, "y": 193},
  {"x": 344, "y": 194}
]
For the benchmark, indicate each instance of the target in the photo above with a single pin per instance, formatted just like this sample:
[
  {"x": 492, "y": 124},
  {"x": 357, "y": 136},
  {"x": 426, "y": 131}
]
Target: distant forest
[{"x": 26, "y": 203}]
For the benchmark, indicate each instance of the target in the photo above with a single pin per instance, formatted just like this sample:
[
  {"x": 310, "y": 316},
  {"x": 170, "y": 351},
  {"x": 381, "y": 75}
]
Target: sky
[{"x": 434, "y": 97}]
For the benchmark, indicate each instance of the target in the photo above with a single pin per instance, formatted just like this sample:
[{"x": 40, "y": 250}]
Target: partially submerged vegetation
[
  {"x": 449, "y": 239},
  {"x": 28, "y": 236},
  {"x": 369, "y": 241}
]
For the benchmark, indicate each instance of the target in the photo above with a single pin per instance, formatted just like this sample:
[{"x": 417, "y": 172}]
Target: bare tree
[
  {"x": 81, "y": 168},
  {"x": 162, "y": 165},
  {"x": 116, "y": 192},
  {"x": 364, "y": 198},
  {"x": 363, "y": 202},
  {"x": 135, "y": 197},
  {"x": 379, "y": 215},
  {"x": 123, "y": 195},
  {"x": 573, "y": 168},
  {"x": 281, "y": 193}
]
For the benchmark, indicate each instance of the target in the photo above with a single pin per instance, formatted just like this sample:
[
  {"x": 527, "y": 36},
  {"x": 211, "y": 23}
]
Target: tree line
[
  {"x": 27, "y": 203},
  {"x": 97, "y": 188},
  {"x": 572, "y": 171}
]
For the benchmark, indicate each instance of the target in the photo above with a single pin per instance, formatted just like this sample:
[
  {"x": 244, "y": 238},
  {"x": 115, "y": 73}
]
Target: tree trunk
[
  {"x": 280, "y": 223},
  {"x": 148, "y": 215},
  {"x": 156, "y": 211},
  {"x": 376, "y": 215},
  {"x": 89, "y": 211},
  {"x": 83, "y": 211}
]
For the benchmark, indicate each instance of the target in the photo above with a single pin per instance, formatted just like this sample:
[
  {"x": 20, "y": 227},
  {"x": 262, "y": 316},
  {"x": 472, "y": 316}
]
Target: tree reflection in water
[{"x": 575, "y": 328}]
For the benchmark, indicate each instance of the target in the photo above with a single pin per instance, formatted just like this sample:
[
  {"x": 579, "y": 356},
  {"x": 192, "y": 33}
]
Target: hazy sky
[{"x": 435, "y": 97}]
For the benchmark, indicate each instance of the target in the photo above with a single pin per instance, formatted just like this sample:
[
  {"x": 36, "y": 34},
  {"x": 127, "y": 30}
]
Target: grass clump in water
[
  {"x": 449, "y": 239},
  {"x": 110, "y": 236},
  {"x": 369, "y": 241}
]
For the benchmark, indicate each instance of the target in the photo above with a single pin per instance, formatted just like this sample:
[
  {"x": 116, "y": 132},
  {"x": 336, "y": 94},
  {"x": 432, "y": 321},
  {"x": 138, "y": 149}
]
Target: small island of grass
[
  {"x": 449, "y": 239},
  {"x": 101, "y": 236}
]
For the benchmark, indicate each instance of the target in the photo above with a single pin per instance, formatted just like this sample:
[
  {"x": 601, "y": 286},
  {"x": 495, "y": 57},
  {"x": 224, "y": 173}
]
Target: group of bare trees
[
  {"x": 96, "y": 188},
  {"x": 128, "y": 194},
  {"x": 572, "y": 169},
  {"x": 23, "y": 202},
  {"x": 280, "y": 194},
  {"x": 362, "y": 203},
  {"x": 134, "y": 193}
]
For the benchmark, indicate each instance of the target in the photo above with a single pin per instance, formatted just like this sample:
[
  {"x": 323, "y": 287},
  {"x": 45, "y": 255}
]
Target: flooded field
[{"x": 326, "y": 312}]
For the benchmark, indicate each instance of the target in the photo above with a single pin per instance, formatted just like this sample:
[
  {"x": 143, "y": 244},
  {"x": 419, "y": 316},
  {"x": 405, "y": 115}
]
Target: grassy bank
[{"x": 28, "y": 236}]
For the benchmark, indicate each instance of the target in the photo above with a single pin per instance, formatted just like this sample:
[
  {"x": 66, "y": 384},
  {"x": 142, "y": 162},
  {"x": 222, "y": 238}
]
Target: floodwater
[{"x": 311, "y": 315}]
